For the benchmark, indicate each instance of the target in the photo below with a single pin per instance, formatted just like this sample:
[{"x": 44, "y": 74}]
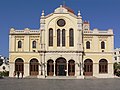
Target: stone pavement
[{"x": 61, "y": 84}]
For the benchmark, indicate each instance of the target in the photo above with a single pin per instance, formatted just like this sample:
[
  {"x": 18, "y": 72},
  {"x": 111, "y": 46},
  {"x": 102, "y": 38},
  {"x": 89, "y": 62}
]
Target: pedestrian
[
  {"x": 18, "y": 73},
  {"x": 14, "y": 73},
  {"x": 22, "y": 74}
]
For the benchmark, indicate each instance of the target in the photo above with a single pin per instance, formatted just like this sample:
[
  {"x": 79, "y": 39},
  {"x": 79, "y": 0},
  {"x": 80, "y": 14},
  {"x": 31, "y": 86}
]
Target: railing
[
  {"x": 25, "y": 31},
  {"x": 95, "y": 31}
]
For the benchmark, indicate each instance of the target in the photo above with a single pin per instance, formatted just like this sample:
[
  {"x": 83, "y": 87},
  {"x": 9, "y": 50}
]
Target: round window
[{"x": 61, "y": 22}]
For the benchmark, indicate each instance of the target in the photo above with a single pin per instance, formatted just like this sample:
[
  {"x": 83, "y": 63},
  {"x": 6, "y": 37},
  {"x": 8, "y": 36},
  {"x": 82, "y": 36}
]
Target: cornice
[
  {"x": 103, "y": 53},
  {"x": 48, "y": 52},
  {"x": 24, "y": 34}
]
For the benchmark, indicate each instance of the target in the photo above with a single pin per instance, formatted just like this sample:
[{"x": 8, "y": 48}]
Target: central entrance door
[
  {"x": 61, "y": 70},
  {"x": 60, "y": 67}
]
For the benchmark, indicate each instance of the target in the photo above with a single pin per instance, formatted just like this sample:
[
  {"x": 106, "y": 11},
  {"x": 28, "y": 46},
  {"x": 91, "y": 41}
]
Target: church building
[{"x": 64, "y": 45}]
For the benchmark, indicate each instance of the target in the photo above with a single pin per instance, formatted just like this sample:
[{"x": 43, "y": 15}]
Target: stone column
[
  {"x": 67, "y": 69},
  {"x": 39, "y": 69},
  {"x": 26, "y": 69},
  {"x": 81, "y": 65},
  {"x": 54, "y": 69},
  {"x": 60, "y": 38},
  {"x": 45, "y": 68},
  {"x": 41, "y": 66}
]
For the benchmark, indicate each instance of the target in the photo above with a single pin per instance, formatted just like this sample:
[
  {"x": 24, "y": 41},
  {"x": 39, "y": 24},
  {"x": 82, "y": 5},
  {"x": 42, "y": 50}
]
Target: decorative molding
[
  {"x": 42, "y": 51},
  {"x": 87, "y": 36},
  {"x": 98, "y": 53},
  {"x": 89, "y": 39},
  {"x": 35, "y": 36},
  {"x": 102, "y": 36},
  {"x": 19, "y": 36}
]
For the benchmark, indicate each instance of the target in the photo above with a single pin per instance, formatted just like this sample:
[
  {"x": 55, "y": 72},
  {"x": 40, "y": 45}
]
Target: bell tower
[{"x": 42, "y": 31}]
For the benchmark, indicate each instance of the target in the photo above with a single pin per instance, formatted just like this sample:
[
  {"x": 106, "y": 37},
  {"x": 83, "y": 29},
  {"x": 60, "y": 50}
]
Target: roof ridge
[{"x": 69, "y": 9}]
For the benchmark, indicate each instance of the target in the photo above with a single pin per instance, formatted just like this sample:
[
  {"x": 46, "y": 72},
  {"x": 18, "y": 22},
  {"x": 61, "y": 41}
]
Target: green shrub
[
  {"x": 117, "y": 69},
  {"x": 118, "y": 73},
  {"x": 5, "y": 73},
  {"x": 1, "y": 74}
]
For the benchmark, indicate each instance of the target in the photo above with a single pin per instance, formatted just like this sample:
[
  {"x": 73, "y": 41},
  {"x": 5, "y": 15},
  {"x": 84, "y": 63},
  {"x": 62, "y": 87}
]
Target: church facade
[{"x": 64, "y": 45}]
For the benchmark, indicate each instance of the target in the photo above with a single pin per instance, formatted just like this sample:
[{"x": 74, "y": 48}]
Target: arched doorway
[
  {"x": 71, "y": 68},
  {"x": 19, "y": 65},
  {"x": 88, "y": 67},
  {"x": 34, "y": 67},
  {"x": 60, "y": 67},
  {"x": 50, "y": 68}
]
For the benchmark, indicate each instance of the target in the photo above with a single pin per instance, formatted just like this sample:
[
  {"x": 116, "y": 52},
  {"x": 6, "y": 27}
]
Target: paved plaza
[{"x": 61, "y": 84}]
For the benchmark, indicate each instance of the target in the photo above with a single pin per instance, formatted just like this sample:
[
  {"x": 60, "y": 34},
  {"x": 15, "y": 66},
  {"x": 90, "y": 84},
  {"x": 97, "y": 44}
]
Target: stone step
[
  {"x": 61, "y": 77},
  {"x": 30, "y": 77},
  {"x": 89, "y": 77}
]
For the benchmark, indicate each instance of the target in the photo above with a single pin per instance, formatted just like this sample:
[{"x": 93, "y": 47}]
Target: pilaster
[
  {"x": 12, "y": 69},
  {"x": 26, "y": 70},
  {"x": 67, "y": 69},
  {"x": 54, "y": 69}
]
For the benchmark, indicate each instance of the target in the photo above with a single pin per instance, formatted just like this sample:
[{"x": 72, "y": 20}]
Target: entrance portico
[{"x": 60, "y": 67}]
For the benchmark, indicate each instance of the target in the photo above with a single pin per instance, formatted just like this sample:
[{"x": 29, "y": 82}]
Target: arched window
[
  {"x": 87, "y": 45},
  {"x": 19, "y": 44},
  {"x": 63, "y": 37},
  {"x": 102, "y": 45},
  {"x": 71, "y": 37},
  {"x": 50, "y": 37},
  {"x": 34, "y": 44},
  {"x": 103, "y": 66},
  {"x": 58, "y": 37}
]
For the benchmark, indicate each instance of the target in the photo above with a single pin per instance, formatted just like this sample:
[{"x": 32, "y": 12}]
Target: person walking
[
  {"x": 14, "y": 74},
  {"x": 18, "y": 73},
  {"x": 22, "y": 74}
]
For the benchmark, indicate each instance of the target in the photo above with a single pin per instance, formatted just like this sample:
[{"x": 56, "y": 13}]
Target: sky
[{"x": 20, "y": 14}]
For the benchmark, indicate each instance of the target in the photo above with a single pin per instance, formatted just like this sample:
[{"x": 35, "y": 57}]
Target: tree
[
  {"x": 1, "y": 62},
  {"x": 117, "y": 69},
  {"x": 3, "y": 67}
]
